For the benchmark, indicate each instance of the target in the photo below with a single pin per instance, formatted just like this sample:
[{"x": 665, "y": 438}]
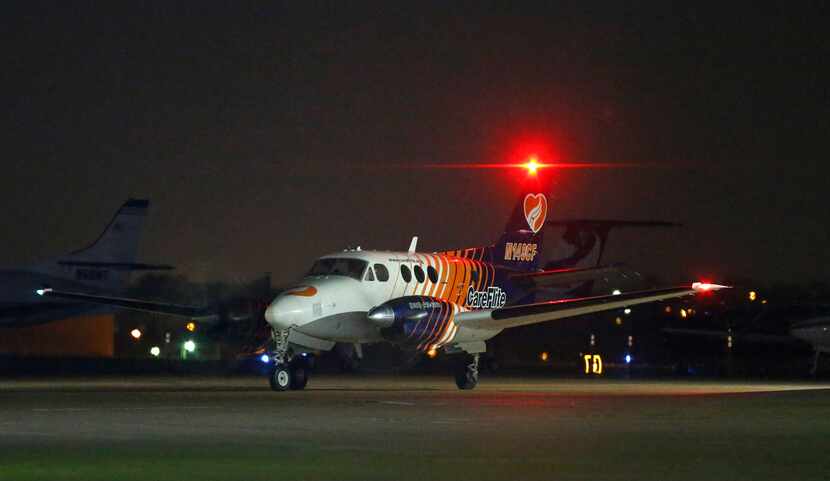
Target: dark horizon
[{"x": 264, "y": 136}]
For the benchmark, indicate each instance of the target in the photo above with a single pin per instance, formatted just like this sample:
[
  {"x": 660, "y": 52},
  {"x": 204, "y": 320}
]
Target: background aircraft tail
[
  {"x": 583, "y": 240},
  {"x": 107, "y": 262}
]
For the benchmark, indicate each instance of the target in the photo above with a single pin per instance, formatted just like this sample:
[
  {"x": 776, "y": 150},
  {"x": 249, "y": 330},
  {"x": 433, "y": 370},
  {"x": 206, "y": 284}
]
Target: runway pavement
[{"x": 374, "y": 427}]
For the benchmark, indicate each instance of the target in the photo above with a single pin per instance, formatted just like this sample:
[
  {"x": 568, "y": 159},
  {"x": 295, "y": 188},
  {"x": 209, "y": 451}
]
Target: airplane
[
  {"x": 451, "y": 301},
  {"x": 816, "y": 332},
  {"x": 103, "y": 266}
]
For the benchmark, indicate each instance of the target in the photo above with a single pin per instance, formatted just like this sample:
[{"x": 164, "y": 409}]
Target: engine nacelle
[{"x": 416, "y": 320}]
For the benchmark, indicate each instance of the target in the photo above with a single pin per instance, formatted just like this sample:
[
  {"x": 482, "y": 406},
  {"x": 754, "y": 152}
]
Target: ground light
[
  {"x": 628, "y": 358},
  {"x": 155, "y": 351},
  {"x": 136, "y": 333},
  {"x": 264, "y": 358},
  {"x": 189, "y": 345}
]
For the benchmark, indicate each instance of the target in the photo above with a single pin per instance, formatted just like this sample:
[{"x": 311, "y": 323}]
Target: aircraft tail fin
[
  {"x": 107, "y": 262},
  {"x": 119, "y": 241},
  {"x": 520, "y": 246}
]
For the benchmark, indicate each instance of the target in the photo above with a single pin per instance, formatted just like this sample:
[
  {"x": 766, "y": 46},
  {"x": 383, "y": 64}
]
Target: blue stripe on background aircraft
[
  {"x": 103, "y": 266},
  {"x": 451, "y": 301}
]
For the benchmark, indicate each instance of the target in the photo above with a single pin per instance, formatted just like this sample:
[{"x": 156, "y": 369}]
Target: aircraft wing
[
  {"x": 514, "y": 316},
  {"x": 180, "y": 310}
]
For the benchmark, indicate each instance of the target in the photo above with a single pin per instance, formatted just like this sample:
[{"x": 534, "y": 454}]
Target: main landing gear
[
  {"x": 466, "y": 375},
  {"x": 289, "y": 371}
]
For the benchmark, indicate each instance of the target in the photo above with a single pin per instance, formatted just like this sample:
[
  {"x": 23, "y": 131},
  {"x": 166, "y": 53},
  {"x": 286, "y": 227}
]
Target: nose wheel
[
  {"x": 290, "y": 376},
  {"x": 290, "y": 372}
]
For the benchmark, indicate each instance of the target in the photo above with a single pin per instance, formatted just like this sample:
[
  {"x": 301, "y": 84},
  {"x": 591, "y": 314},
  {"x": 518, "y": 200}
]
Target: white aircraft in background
[
  {"x": 452, "y": 301},
  {"x": 103, "y": 266}
]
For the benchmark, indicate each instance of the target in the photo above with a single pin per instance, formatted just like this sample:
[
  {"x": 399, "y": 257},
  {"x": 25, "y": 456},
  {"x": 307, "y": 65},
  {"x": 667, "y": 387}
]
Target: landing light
[{"x": 189, "y": 346}]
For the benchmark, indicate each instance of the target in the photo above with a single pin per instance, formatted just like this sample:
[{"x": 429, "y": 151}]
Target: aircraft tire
[
  {"x": 281, "y": 378},
  {"x": 466, "y": 379},
  {"x": 299, "y": 376}
]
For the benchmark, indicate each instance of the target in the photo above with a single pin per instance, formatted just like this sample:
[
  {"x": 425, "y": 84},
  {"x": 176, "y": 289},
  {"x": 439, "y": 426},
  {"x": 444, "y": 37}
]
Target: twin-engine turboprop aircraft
[{"x": 452, "y": 301}]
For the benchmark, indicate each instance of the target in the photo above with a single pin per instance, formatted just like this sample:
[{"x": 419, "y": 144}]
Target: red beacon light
[{"x": 532, "y": 165}]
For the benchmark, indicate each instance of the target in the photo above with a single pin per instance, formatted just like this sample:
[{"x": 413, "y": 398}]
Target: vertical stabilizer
[{"x": 520, "y": 246}]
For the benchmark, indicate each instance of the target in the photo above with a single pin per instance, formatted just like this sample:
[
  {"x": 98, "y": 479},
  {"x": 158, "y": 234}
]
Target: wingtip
[{"x": 708, "y": 287}]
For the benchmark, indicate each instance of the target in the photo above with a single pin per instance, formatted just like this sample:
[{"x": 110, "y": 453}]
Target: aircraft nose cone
[{"x": 284, "y": 312}]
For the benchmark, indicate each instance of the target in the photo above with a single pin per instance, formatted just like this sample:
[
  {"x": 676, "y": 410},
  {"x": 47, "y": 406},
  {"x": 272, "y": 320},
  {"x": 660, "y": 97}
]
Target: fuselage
[{"x": 334, "y": 300}]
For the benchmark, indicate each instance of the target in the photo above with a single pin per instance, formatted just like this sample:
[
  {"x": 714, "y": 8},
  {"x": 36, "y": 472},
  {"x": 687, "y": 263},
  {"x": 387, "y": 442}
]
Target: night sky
[{"x": 266, "y": 136}]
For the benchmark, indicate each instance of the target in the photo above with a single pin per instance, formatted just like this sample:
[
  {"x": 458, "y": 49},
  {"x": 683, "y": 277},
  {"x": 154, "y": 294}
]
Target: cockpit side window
[
  {"x": 370, "y": 275},
  {"x": 405, "y": 274},
  {"x": 381, "y": 272}
]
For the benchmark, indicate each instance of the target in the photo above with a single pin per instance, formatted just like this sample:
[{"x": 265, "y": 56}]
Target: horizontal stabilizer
[
  {"x": 555, "y": 277},
  {"x": 611, "y": 223}
]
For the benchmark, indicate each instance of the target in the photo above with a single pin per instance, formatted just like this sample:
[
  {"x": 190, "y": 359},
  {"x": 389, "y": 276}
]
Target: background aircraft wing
[
  {"x": 180, "y": 310},
  {"x": 514, "y": 316}
]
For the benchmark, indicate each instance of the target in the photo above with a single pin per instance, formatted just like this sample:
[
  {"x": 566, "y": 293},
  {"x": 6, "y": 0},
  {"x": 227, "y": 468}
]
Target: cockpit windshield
[{"x": 334, "y": 266}]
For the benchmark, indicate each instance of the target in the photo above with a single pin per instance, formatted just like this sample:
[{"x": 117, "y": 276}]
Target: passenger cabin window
[
  {"x": 381, "y": 272},
  {"x": 335, "y": 266},
  {"x": 370, "y": 275},
  {"x": 407, "y": 276},
  {"x": 419, "y": 273},
  {"x": 432, "y": 274}
]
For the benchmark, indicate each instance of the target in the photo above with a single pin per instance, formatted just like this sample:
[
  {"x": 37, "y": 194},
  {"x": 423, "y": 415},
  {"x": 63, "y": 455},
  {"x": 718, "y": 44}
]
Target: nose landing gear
[
  {"x": 290, "y": 371},
  {"x": 292, "y": 375}
]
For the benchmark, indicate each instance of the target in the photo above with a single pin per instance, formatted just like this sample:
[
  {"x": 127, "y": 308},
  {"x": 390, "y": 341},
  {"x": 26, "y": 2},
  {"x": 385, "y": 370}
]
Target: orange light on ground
[
  {"x": 136, "y": 334},
  {"x": 668, "y": 309},
  {"x": 683, "y": 313},
  {"x": 191, "y": 326},
  {"x": 544, "y": 356},
  {"x": 432, "y": 353},
  {"x": 753, "y": 295}
]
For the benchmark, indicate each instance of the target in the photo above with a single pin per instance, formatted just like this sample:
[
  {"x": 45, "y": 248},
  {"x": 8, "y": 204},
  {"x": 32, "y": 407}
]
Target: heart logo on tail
[{"x": 536, "y": 210}]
